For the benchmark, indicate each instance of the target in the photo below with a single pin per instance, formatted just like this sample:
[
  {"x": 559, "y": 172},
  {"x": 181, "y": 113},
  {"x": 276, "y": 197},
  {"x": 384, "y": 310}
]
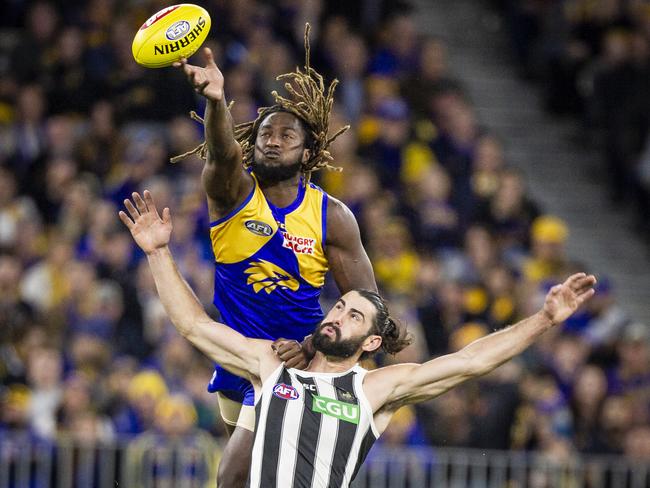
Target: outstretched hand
[
  {"x": 207, "y": 81},
  {"x": 148, "y": 229},
  {"x": 562, "y": 300}
]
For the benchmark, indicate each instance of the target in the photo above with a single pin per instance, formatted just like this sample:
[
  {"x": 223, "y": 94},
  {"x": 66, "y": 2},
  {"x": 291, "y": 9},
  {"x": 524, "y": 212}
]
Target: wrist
[
  {"x": 158, "y": 251},
  {"x": 546, "y": 319}
]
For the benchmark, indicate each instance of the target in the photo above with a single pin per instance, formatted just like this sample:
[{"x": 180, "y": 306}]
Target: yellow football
[{"x": 173, "y": 33}]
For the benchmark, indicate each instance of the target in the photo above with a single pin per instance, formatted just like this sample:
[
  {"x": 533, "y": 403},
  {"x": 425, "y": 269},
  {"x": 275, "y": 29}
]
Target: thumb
[
  {"x": 167, "y": 215},
  {"x": 209, "y": 58}
]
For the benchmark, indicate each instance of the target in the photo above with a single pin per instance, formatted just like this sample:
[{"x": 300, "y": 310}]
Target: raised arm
[
  {"x": 224, "y": 179},
  {"x": 238, "y": 354},
  {"x": 347, "y": 258},
  {"x": 388, "y": 388}
]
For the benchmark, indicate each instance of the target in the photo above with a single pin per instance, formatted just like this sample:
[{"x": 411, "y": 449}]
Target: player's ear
[
  {"x": 306, "y": 154},
  {"x": 371, "y": 343}
]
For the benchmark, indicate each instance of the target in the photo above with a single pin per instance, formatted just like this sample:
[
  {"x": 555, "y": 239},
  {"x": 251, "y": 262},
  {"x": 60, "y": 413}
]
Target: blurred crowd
[
  {"x": 592, "y": 62},
  {"x": 458, "y": 247}
]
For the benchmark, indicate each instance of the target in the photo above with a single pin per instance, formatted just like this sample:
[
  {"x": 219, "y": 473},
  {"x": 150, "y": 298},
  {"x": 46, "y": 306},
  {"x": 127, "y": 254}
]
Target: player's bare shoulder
[
  {"x": 341, "y": 223},
  {"x": 380, "y": 384}
]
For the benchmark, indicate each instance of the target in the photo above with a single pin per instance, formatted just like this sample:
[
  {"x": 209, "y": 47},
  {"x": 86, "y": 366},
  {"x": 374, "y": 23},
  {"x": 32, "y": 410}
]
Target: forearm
[
  {"x": 217, "y": 341},
  {"x": 489, "y": 352},
  {"x": 220, "y": 133},
  {"x": 417, "y": 382},
  {"x": 180, "y": 302}
]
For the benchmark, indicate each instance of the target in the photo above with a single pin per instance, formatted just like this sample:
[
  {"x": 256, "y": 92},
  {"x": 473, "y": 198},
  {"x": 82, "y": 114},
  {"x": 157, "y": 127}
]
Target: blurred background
[{"x": 497, "y": 146}]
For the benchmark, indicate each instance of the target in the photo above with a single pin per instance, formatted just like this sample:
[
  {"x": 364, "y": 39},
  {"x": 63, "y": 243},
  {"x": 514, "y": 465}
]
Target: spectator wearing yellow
[
  {"x": 396, "y": 262},
  {"x": 548, "y": 249}
]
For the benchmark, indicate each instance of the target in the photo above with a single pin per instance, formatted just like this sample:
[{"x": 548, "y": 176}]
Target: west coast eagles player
[{"x": 274, "y": 234}]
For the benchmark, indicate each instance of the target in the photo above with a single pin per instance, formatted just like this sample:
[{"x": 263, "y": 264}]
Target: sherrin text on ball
[{"x": 173, "y": 33}]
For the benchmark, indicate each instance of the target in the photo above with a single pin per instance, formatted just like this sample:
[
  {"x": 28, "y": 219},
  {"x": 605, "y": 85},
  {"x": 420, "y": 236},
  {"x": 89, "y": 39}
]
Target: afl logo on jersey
[
  {"x": 286, "y": 392},
  {"x": 260, "y": 228}
]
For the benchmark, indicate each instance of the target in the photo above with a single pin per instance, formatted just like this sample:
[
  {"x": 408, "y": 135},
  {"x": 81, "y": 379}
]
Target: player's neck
[
  {"x": 281, "y": 193},
  {"x": 325, "y": 364}
]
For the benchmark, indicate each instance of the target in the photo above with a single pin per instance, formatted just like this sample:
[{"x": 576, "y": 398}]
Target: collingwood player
[{"x": 314, "y": 427}]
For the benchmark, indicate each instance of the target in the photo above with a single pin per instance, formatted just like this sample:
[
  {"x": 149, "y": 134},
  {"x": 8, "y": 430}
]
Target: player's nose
[{"x": 273, "y": 141}]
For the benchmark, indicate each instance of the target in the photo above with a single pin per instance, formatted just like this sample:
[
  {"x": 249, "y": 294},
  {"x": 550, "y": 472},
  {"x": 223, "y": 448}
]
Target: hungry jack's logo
[{"x": 299, "y": 245}]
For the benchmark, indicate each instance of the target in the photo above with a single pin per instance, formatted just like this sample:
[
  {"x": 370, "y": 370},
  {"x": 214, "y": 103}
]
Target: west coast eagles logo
[{"x": 266, "y": 276}]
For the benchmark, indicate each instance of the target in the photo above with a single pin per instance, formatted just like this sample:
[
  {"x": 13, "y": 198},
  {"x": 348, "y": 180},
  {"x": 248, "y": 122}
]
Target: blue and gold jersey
[{"x": 271, "y": 264}]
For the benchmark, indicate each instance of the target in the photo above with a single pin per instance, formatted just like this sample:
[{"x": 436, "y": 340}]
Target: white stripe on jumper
[
  {"x": 290, "y": 436},
  {"x": 329, "y": 429},
  {"x": 258, "y": 444},
  {"x": 365, "y": 421}
]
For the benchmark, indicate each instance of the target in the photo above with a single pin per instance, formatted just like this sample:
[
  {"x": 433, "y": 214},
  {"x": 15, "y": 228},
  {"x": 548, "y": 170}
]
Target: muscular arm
[
  {"x": 219, "y": 342},
  {"x": 413, "y": 383},
  {"x": 245, "y": 357},
  {"x": 224, "y": 180},
  {"x": 347, "y": 258},
  {"x": 391, "y": 387}
]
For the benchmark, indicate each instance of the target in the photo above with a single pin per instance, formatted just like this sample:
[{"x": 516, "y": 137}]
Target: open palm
[
  {"x": 562, "y": 300},
  {"x": 148, "y": 229}
]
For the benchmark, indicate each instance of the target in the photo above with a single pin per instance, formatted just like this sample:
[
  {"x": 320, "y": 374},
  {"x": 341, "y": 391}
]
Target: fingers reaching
[
  {"x": 125, "y": 219},
  {"x": 579, "y": 283},
  {"x": 149, "y": 202},
  {"x": 131, "y": 209},
  {"x": 586, "y": 285},
  {"x": 209, "y": 58},
  {"x": 582, "y": 298},
  {"x": 180, "y": 63},
  {"x": 572, "y": 280},
  {"x": 139, "y": 203}
]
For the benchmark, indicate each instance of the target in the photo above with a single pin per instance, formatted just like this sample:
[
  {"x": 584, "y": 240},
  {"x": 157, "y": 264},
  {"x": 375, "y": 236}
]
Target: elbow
[
  {"x": 188, "y": 324},
  {"x": 476, "y": 365},
  {"x": 184, "y": 327}
]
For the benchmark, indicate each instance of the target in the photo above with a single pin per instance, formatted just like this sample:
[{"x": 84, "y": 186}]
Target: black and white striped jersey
[{"x": 313, "y": 430}]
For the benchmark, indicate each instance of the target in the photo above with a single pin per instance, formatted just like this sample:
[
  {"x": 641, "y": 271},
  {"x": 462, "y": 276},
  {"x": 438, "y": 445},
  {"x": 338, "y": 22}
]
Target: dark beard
[
  {"x": 337, "y": 348},
  {"x": 276, "y": 173}
]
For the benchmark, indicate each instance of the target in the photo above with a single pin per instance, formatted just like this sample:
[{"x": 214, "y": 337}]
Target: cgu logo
[
  {"x": 260, "y": 228},
  {"x": 157, "y": 16},
  {"x": 348, "y": 412},
  {"x": 286, "y": 392}
]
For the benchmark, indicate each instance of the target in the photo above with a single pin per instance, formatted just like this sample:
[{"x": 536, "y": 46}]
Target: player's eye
[{"x": 356, "y": 316}]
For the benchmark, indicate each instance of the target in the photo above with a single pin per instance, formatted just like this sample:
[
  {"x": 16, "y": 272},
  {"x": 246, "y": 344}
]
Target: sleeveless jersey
[
  {"x": 271, "y": 264},
  {"x": 313, "y": 430}
]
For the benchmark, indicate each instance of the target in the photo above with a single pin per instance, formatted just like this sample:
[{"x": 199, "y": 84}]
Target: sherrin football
[{"x": 173, "y": 33}]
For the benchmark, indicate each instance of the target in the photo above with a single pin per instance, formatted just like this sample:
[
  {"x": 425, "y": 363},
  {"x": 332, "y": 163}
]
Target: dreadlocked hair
[{"x": 308, "y": 100}]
